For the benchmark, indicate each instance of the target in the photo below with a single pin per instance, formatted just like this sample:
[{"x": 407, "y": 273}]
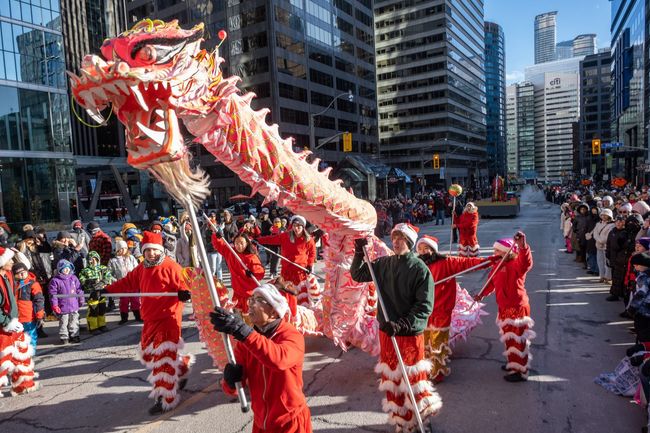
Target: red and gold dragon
[{"x": 156, "y": 77}]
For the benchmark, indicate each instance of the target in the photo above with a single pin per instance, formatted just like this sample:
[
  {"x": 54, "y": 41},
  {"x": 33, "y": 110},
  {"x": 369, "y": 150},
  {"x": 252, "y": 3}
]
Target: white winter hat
[
  {"x": 299, "y": 219},
  {"x": 625, "y": 207},
  {"x": 271, "y": 294},
  {"x": 120, "y": 244},
  {"x": 6, "y": 254},
  {"x": 411, "y": 232},
  {"x": 609, "y": 199},
  {"x": 607, "y": 212}
]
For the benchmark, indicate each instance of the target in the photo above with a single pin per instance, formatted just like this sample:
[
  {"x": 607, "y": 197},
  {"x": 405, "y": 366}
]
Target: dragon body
[{"x": 163, "y": 87}]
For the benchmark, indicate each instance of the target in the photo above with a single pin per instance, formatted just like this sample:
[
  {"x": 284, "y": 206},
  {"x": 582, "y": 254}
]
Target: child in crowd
[
  {"x": 93, "y": 278},
  {"x": 120, "y": 266},
  {"x": 67, "y": 309},
  {"x": 30, "y": 301}
]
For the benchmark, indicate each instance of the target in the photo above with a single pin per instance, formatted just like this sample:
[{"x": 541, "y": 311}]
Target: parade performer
[
  {"x": 467, "y": 224},
  {"x": 241, "y": 278},
  {"x": 120, "y": 266},
  {"x": 161, "y": 342},
  {"x": 406, "y": 287},
  {"x": 93, "y": 278},
  {"x": 297, "y": 246},
  {"x": 436, "y": 334},
  {"x": 16, "y": 364},
  {"x": 270, "y": 358},
  {"x": 30, "y": 301},
  {"x": 507, "y": 280}
]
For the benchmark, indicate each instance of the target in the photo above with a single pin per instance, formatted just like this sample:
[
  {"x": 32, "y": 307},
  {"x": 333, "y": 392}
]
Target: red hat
[
  {"x": 152, "y": 240},
  {"x": 428, "y": 240},
  {"x": 5, "y": 255}
]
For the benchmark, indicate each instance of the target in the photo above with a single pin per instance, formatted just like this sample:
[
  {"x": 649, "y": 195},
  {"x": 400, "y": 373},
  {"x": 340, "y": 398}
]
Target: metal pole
[
  {"x": 458, "y": 274},
  {"x": 121, "y": 295},
  {"x": 496, "y": 269},
  {"x": 312, "y": 138},
  {"x": 451, "y": 233},
  {"x": 207, "y": 273},
  {"x": 405, "y": 376}
]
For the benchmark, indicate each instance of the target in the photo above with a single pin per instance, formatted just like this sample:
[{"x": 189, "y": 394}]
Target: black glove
[
  {"x": 232, "y": 374},
  {"x": 218, "y": 234},
  {"x": 184, "y": 295},
  {"x": 395, "y": 328},
  {"x": 645, "y": 369},
  {"x": 309, "y": 268},
  {"x": 249, "y": 274},
  {"x": 228, "y": 323},
  {"x": 359, "y": 244},
  {"x": 426, "y": 258},
  {"x": 99, "y": 285},
  {"x": 94, "y": 295},
  {"x": 91, "y": 283}
]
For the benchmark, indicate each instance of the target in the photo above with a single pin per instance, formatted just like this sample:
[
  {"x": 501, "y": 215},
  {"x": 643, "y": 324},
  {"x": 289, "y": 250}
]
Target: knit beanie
[
  {"x": 645, "y": 242},
  {"x": 409, "y": 231},
  {"x": 120, "y": 244},
  {"x": 18, "y": 267},
  {"x": 642, "y": 259},
  {"x": 63, "y": 263},
  {"x": 505, "y": 245},
  {"x": 430, "y": 241},
  {"x": 271, "y": 294},
  {"x": 63, "y": 235},
  {"x": 297, "y": 219}
]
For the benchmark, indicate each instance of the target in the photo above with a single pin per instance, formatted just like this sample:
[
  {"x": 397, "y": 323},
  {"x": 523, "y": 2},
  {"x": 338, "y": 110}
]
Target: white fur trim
[
  {"x": 391, "y": 406},
  {"x": 160, "y": 391},
  {"x": 152, "y": 246},
  {"x": 6, "y": 255},
  {"x": 23, "y": 355},
  {"x": 4, "y": 380},
  {"x": 519, "y": 353},
  {"x": 165, "y": 346},
  {"x": 7, "y": 366},
  {"x": 36, "y": 387},
  {"x": 527, "y": 335},
  {"x": 8, "y": 351},
  {"x": 169, "y": 406},
  {"x": 515, "y": 366},
  {"x": 429, "y": 242},
  {"x": 422, "y": 366},
  {"x": 273, "y": 297},
  {"x": 162, "y": 361},
  {"x": 418, "y": 387},
  {"x": 162, "y": 376},
  {"x": 190, "y": 363},
  {"x": 429, "y": 406},
  {"x": 24, "y": 368},
  {"x": 22, "y": 378},
  {"x": 519, "y": 322}
]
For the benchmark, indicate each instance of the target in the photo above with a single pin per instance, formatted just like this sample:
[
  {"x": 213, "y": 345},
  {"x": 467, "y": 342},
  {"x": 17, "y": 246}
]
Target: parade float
[{"x": 501, "y": 203}]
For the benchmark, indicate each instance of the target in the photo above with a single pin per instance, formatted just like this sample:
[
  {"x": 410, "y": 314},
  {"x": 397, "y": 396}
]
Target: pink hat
[
  {"x": 428, "y": 240},
  {"x": 152, "y": 240},
  {"x": 505, "y": 245},
  {"x": 409, "y": 231}
]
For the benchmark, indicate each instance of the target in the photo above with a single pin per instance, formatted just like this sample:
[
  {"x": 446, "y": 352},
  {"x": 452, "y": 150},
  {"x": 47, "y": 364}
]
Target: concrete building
[
  {"x": 584, "y": 45},
  {"x": 564, "y": 50},
  {"x": 37, "y": 180},
  {"x": 630, "y": 110},
  {"x": 595, "y": 113},
  {"x": 557, "y": 106},
  {"x": 431, "y": 89},
  {"x": 545, "y": 36},
  {"x": 520, "y": 120},
  {"x": 495, "y": 85},
  {"x": 300, "y": 57}
]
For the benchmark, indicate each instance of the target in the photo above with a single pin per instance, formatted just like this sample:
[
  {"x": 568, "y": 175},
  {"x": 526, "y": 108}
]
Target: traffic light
[
  {"x": 595, "y": 146},
  {"x": 436, "y": 161},
  {"x": 347, "y": 142}
]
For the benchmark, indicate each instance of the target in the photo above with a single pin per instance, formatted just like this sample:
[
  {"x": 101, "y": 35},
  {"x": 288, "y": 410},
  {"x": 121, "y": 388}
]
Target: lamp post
[{"x": 312, "y": 139}]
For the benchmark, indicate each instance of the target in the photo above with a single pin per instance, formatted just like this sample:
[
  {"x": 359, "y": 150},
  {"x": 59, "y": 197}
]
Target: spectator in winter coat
[
  {"x": 67, "y": 309},
  {"x": 65, "y": 248},
  {"x": 132, "y": 235},
  {"x": 581, "y": 225},
  {"x": 30, "y": 301},
  {"x": 187, "y": 254},
  {"x": 270, "y": 357},
  {"x": 639, "y": 307},
  {"x": 120, "y": 266},
  {"x": 590, "y": 244},
  {"x": 567, "y": 231},
  {"x": 618, "y": 251},
  {"x": 600, "y": 234},
  {"x": 216, "y": 259},
  {"x": 80, "y": 236},
  {"x": 100, "y": 242}
]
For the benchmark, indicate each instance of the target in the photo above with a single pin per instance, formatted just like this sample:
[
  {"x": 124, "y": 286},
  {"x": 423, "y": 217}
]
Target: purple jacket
[{"x": 66, "y": 285}]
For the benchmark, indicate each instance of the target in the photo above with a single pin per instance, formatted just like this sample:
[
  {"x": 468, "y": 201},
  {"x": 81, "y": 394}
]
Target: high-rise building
[
  {"x": 431, "y": 88},
  {"x": 495, "y": 90},
  {"x": 584, "y": 45},
  {"x": 520, "y": 119},
  {"x": 630, "y": 110},
  {"x": 564, "y": 50},
  {"x": 595, "y": 112},
  {"x": 545, "y": 37},
  {"x": 37, "y": 180},
  {"x": 557, "y": 106},
  {"x": 300, "y": 57}
]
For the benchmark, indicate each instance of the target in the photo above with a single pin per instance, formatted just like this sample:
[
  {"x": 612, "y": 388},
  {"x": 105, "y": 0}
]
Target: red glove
[
  {"x": 56, "y": 309},
  {"x": 40, "y": 314},
  {"x": 494, "y": 258}
]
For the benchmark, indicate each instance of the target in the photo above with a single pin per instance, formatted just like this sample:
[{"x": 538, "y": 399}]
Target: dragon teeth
[
  {"x": 100, "y": 93},
  {"x": 138, "y": 97},
  {"x": 160, "y": 124},
  {"x": 87, "y": 97},
  {"x": 157, "y": 136},
  {"x": 160, "y": 113},
  {"x": 122, "y": 86},
  {"x": 95, "y": 115},
  {"x": 111, "y": 88}
]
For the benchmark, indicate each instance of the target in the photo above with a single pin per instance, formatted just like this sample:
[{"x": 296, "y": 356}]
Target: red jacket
[
  {"x": 166, "y": 277},
  {"x": 444, "y": 298},
  {"x": 509, "y": 281},
  {"x": 242, "y": 285},
  {"x": 30, "y": 300},
  {"x": 273, "y": 372},
  {"x": 467, "y": 224},
  {"x": 302, "y": 252}
]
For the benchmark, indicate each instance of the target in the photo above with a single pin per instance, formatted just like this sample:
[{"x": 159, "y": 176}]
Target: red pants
[
  {"x": 300, "y": 424},
  {"x": 515, "y": 327},
  {"x": 134, "y": 304},
  {"x": 16, "y": 363},
  {"x": 397, "y": 402}
]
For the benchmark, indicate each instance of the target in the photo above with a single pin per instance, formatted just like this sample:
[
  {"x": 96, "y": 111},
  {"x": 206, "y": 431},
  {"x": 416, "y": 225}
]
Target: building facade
[
  {"x": 299, "y": 57},
  {"x": 520, "y": 120},
  {"x": 431, "y": 88},
  {"x": 37, "y": 182},
  {"x": 545, "y": 35},
  {"x": 584, "y": 45},
  {"x": 564, "y": 50},
  {"x": 495, "y": 86},
  {"x": 595, "y": 91},
  {"x": 629, "y": 95}
]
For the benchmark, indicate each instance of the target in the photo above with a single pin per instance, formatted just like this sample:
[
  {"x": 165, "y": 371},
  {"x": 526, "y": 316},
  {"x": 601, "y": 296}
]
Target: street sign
[{"x": 611, "y": 145}]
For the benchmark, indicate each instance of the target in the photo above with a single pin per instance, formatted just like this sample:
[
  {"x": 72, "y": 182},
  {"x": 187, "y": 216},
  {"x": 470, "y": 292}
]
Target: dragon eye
[{"x": 146, "y": 54}]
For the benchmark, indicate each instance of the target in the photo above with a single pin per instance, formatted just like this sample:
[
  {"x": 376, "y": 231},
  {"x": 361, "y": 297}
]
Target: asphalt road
[{"x": 98, "y": 386}]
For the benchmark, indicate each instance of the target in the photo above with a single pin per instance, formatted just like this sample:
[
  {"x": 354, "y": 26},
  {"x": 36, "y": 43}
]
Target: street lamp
[{"x": 312, "y": 139}]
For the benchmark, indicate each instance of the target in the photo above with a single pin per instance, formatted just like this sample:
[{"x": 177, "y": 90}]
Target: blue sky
[{"x": 517, "y": 17}]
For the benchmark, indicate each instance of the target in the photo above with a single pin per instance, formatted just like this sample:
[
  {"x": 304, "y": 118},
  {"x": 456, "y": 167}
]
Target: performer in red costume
[
  {"x": 467, "y": 224},
  {"x": 436, "y": 334},
  {"x": 270, "y": 357},
  {"x": 299, "y": 247},
  {"x": 242, "y": 280},
  {"x": 161, "y": 342},
  {"x": 513, "y": 319}
]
